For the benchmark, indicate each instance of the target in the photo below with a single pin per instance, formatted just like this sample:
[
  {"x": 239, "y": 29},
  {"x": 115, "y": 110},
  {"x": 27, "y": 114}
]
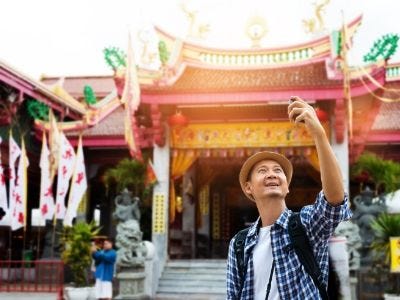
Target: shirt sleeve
[
  {"x": 232, "y": 274},
  {"x": 322, "y": 218},
  {"x": 103, "y": 256}
]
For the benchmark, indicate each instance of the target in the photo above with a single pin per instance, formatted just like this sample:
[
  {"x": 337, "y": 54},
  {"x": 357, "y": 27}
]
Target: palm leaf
[
  {"x": 129, "y": 174},
  {"x": 383, "y": 172},
  {"x": 384, "y": 227}
]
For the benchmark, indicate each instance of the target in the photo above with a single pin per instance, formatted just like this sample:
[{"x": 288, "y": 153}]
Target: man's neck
[{"x": 270, "y": 210}]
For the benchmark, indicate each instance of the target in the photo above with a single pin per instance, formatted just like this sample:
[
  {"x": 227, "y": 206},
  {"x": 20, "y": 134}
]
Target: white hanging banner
[
  {"x": 78, "y": 186},
  {"x": 65, "y": 168}
]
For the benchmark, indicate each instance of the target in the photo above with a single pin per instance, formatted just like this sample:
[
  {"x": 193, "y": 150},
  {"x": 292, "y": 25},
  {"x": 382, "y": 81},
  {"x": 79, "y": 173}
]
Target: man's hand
[
  {"x": 93, "y": 248},
  {"x": 300, "y": 111}
]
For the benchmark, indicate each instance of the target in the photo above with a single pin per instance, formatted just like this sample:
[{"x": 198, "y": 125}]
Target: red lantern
[
  {"x": 321, "y": 114},
  {"x": 178, "y": 119}
]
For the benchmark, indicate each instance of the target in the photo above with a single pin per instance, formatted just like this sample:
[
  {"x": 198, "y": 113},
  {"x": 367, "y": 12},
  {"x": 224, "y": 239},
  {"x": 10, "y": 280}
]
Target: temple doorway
[{"x": 211, "y": 207}]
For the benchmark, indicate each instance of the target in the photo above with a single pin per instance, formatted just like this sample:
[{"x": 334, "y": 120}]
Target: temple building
[{"x": 201, "y": 114}]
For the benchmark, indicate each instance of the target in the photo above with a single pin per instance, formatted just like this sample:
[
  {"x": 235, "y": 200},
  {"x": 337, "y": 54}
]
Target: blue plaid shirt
[{"x": 320, "y": 221}]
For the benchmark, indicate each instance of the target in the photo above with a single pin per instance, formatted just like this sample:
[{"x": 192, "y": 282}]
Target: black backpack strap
[
  {"x": 302, "y": 247},
  {"x": 238, "y": 246}
]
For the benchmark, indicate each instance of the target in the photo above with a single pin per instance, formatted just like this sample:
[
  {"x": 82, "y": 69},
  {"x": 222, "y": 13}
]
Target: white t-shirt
[{"x": 262, "y": 260}]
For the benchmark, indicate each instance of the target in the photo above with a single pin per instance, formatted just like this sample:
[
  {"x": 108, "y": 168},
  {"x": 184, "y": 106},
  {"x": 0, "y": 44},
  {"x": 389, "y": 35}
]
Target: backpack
[{"x": 300, "y": 244}]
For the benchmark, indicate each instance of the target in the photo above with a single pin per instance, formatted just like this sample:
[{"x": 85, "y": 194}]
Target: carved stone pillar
[{"x": 131, "y": 284}]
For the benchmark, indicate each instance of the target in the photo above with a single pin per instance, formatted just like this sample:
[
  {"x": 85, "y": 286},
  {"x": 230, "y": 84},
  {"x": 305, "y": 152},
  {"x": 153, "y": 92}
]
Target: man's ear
[{"x": 247, "y": 187}]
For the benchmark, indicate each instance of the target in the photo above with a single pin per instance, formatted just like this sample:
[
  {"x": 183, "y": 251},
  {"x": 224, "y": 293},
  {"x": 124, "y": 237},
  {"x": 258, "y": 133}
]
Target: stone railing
[
  {"x": 393, "y": 71},
  {"x": 271, "y": 58}
]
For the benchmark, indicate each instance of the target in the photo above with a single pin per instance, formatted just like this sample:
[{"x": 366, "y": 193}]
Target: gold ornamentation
[
  {"x": 159, "y": 214},
  {"x": 256, "y": 30},
  {"x": 237, "y": 135},
  {"x": 196, "y": 29},
  {"x": 316, "y": 24}
]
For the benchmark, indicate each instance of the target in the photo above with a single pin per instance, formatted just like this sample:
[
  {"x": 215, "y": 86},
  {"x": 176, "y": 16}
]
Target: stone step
[
  {"x": 189, "y": 283},
  {"x": 198, "y": 276},
  {"x": 192, "y": 290},
  {"x": 167, "y": 296},
  {"x": 209, "y": 264},
  {"x": 218, "y": 272},
  {"x": 193, "y": 279}
]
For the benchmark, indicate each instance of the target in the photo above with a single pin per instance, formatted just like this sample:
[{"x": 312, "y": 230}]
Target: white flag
[
  {"x": 15, "y": 152},
  {"x": 3, "y": 190},
  {"x": 3, "y": 194},
  {"x": 78, "y": 186},
  {"x": 19, "y": 194},
  {"x": 46, "y": 205},
  {"x": 65, "y": 168}
]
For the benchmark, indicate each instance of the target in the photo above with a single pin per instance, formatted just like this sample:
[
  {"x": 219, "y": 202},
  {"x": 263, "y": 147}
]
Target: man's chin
[{"x": 274, "y": 194}]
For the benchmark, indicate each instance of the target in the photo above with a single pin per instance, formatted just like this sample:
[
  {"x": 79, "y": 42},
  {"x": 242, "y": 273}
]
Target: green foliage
[
  {"x": 90, "y": 96},
  {"x": 37, "y": 110},
  {"x": 129, "y": 174},
  {"x": 385, "y": 47},
  {"x": 77, "y": 254},
  {"x": 163, "y": 51},
  {"x": 384, "y": 173},
  {"x": 384, "y": 227},
  {"x": 114, "y": 57}
]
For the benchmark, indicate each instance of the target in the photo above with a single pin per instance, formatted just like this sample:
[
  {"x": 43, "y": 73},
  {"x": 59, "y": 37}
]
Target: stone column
[
  {"x": 161, "y": 157},
  {"x": 342, "y": 154}
]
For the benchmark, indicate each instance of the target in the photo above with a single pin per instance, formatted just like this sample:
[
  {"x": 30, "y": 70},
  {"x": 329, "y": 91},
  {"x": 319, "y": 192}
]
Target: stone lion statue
[{"x": 131, "y": 249}]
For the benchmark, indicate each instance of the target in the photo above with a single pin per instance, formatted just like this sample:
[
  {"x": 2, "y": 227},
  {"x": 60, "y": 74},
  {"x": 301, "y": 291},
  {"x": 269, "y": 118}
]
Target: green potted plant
[
  {"x": 385, "y": 227},
  {"x": 76, "y": 254},
  {"x": 127, "y": 174},
  {"x": 383, "y": 174}
]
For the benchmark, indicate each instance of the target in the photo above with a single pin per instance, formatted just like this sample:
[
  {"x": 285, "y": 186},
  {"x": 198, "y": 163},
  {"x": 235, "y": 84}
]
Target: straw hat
[{"x": 265, "y": 155}]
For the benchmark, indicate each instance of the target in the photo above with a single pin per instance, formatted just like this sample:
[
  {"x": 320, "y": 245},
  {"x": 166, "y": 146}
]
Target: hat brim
[{"x": 265, "y": 155}]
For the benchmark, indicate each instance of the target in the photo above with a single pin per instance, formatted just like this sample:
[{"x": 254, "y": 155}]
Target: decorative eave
[
  {"x": 385, "y": 137},
  {"x": 202, "y": 86},
  {"x": 39, "y": 91},
  {"x": 184, "y": 52}
]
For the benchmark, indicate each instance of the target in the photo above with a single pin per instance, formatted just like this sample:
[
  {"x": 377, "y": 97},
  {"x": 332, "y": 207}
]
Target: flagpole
[
  {"x": 346, "y": 80},
  {"x": 25, "y": 187},
  {"x": 23, "y": 245},
  {"x": 38, "y": 244},
  {"x": 53, "y": 235},
  {"x": 10, "y": 244}
]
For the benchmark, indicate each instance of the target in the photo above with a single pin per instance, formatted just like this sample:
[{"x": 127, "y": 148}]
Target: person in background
[{"x": 104, "y": 261}]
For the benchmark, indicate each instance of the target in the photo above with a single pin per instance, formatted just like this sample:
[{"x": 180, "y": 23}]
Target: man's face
[
  {"x": 267, "y": 179},
  {"x": 107, "y": 245}
]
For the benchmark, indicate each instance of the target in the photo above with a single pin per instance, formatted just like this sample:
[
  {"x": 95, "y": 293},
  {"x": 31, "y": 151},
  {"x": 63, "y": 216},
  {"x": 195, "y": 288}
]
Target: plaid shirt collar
[{"x": 282, "y": 222}]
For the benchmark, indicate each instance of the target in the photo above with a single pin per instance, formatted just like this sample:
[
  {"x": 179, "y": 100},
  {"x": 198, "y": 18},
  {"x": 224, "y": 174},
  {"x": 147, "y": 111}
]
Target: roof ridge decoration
[{"x": 202, "y": 56}]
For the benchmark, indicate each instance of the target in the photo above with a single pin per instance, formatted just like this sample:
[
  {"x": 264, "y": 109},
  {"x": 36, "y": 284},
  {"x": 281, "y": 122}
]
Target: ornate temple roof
[
  {"x": 39, "y": 91},
  {"x": 312, "y": 75}
]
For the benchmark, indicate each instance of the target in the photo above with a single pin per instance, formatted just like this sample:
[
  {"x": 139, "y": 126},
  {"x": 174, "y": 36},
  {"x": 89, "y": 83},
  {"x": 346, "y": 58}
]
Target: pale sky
[{"x": 66, "y": 37}]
